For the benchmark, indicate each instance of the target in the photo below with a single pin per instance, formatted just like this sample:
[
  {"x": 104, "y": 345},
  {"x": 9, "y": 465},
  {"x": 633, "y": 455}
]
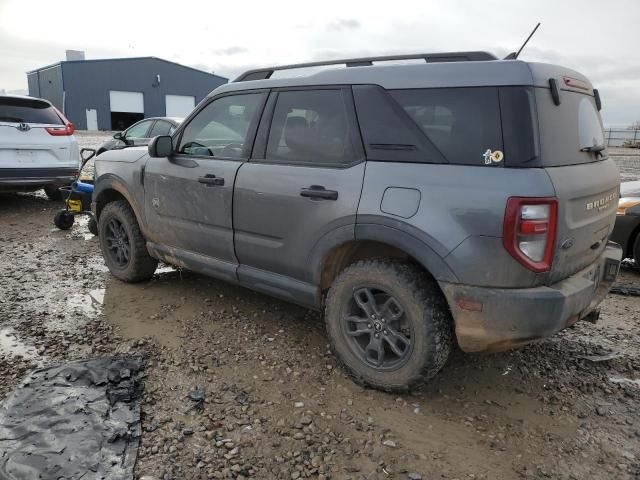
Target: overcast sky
[{"x": 599, "y": 38}]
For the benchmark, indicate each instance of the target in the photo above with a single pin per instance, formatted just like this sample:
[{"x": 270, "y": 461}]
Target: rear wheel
[
  {"x": 53, "y": 193},
  {"x": 389, "y": 324},
  {"x": 123, "y": 245}
]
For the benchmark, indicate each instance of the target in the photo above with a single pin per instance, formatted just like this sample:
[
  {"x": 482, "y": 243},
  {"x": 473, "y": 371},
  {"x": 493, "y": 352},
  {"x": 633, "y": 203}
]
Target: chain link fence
[{"x": 622, "y": 138}]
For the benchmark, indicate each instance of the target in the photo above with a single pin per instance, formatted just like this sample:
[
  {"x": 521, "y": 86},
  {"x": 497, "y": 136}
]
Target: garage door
[
  {"x": 131, "y": 102},
  {"x": 179, "y": 105}
]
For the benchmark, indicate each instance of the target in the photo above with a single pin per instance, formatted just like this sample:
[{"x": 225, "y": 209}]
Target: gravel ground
[
  {"x": 628, "y": 161},
  {"x": 240, "y": 385}
]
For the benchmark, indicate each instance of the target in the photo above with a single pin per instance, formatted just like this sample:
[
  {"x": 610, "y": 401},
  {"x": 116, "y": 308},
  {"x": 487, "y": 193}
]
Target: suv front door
[
  {"x": 303, "y": 182},
  {"x": 188, "y": 196}
]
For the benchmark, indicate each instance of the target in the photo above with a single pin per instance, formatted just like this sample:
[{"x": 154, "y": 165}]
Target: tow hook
[{"x": 592, "y": 317}]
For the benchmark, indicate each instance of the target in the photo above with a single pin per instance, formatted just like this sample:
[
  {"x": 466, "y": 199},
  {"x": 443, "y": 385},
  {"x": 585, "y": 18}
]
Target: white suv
[{"x": 37, "y": 146}]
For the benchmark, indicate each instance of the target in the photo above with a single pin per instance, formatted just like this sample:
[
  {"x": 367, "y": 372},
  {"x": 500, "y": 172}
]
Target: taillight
[
  {"x": 67, "y": 129},
  {"x": 530, "y": 226}
]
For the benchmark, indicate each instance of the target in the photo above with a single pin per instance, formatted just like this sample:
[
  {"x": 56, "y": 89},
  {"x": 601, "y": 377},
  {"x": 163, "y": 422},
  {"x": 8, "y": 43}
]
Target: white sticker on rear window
[{"x": 492, "y": 157}]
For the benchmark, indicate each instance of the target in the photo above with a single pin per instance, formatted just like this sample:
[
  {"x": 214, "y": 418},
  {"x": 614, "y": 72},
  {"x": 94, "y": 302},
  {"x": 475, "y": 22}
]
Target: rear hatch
[
  {"x": 573, "y": 153},
  {"x": 34, "y": 135}
]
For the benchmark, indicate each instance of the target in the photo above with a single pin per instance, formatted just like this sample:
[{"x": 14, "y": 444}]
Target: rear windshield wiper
[{"x": 594, "y": 149}]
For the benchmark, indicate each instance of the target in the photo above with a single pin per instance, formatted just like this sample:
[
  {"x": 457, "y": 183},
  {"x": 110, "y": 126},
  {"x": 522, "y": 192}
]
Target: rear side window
[
  {"x": 463, "y": 123},
  {"x": 25, "y": 110},
  {"x": 312, "y": 127}
]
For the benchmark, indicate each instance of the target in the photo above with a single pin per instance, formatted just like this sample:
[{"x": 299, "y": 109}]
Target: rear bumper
[
  {"x": 493, "y": 319},
  {"x": 25, "y": 177}
]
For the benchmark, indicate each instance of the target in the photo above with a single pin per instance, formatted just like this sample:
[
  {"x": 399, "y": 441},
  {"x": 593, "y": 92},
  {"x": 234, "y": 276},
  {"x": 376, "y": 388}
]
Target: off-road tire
[
  {"x": 425, "y": 307},
  {"x": 141, "y": 266},
  {"x": 53, "y": 193}
]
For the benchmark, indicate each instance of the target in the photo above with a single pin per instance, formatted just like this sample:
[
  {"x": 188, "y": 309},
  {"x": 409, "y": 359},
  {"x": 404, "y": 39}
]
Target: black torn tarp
[{"x": 80, "y": 420}]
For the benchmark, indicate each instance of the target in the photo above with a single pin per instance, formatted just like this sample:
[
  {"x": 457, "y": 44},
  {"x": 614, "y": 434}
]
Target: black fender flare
[
  {"x": 113, "y": 182},
  {"x": 398, "y": 234}
]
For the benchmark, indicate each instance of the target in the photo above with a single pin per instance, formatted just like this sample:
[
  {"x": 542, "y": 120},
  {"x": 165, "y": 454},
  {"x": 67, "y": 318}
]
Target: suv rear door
[
  {"x": 586, "y": 182},
  {"x": 188, "y": 196},
  {"x": 25, "y": 142},
  {"x": 303, "y": 181}
]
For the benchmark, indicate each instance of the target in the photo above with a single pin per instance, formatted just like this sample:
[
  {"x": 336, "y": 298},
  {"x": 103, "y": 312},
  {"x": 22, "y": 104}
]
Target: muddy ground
[{"x": 275, "y": 403}]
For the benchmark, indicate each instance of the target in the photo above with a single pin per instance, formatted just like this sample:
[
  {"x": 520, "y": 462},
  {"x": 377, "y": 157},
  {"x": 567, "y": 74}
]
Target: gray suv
[{"x": 463, "y": 200}]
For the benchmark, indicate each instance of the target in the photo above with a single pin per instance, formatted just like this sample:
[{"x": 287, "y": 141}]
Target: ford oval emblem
[{"x": 567, "y": 244}]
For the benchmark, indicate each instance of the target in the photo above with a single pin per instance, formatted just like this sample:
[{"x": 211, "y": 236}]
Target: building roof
[{"x": 124, "y": 59}]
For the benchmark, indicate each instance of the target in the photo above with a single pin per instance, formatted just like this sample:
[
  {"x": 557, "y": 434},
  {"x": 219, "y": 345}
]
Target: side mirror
[
  {"x": 161, "y": 146},
  {"x": 118, "y": 136}
]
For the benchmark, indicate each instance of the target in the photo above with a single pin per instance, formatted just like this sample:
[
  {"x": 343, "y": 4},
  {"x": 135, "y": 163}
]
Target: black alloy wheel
[
  {"x": 117, "y": 242},
  {"x": 378, "y": 330}
]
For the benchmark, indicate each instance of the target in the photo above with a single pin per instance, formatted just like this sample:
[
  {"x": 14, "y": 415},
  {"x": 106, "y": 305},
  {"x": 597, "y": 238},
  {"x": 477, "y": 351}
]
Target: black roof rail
[{"x": 266, "y": 72}]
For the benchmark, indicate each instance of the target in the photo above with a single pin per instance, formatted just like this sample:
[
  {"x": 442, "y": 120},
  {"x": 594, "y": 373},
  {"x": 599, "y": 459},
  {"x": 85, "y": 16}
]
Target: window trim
[
  {"x": 251, "y": 132},
  {"x": 264, "y": 130}
]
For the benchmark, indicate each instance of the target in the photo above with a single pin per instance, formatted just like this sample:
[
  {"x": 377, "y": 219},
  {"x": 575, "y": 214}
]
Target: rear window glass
[
  {"x": 24, "y": 110},
  {"x": 463, "y": 123},
  {"x": 570, "y": 133}
]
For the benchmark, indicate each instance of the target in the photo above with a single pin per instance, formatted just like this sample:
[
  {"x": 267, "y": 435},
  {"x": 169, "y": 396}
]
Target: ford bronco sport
[{"x": 466, "y": 199}]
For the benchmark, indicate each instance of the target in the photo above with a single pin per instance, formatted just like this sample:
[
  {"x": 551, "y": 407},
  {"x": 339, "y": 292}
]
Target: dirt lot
[{"x": 277, "y": 406}]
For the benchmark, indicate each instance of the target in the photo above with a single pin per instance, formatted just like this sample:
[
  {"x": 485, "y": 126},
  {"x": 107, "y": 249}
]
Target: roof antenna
[{"x": 514, "y": 55}]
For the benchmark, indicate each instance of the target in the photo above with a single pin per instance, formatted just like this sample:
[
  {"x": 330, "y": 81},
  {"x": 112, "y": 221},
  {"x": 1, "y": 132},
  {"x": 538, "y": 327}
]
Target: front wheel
[
  {"x": 123, "y": 246},
  {"x": 389, "y": 324}
]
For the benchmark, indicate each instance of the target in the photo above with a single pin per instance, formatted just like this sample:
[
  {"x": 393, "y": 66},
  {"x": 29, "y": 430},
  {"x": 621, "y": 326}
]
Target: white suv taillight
[
  {"x": 529, "y": 232},
  {"x": 68, "y": 128}
]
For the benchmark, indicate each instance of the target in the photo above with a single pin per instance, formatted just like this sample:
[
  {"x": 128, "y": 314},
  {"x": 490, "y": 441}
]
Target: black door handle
[
  {"x": 319, "y": 192},
  {"x": 211, "y": 180}
]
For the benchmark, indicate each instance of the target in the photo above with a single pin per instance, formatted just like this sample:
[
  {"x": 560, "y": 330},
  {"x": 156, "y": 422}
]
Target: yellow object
[
  {"x": 75, "y": 205},
  {"x": 497, "y": 156},
  {"x": 625, "y": 203}
]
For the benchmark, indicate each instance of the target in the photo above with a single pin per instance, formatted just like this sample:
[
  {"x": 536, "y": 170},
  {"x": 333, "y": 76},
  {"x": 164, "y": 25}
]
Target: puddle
[
  {"x": 626, "y": 381},
  {"x": 11, "y": 346}
]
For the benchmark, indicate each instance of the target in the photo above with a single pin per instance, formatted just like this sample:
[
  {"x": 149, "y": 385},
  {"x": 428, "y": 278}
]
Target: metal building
[{"x": 111, "y": 94}]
